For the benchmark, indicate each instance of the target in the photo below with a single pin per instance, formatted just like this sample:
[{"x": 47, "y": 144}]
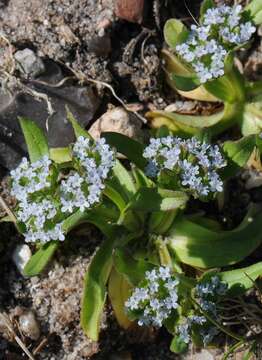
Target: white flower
[
  {"x": 156, "y": 299},
  {"x": 192, "y": 163},
  {"x": 223, "y": 28},
  {"x": 29, "y": 178}
]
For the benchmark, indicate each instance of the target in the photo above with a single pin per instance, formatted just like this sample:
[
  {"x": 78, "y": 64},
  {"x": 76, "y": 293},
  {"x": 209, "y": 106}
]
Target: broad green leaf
[
  {"x": 177, "y": 345},
  {"x": 173, "y": 65},
  {"x": 133, "y": 269},
  {"x": 35, "y": 139},
  {"x": 191, "y": 124},
  {"x": 141, "y": 179},
  {"x": 205, "y": 5},
  {"x": 252, "y": 119},
  {"x": 40, "y": 259},
  {"x": 255, "y": 10},
  {"x": 156, "y": 199},
  {"x": 79, "y": 131},
  {"x": 60, "y": 155},
  {"x": 118, "y": 292},
  {"x": 94, "y": 294},
  {"x": 230, "y": 87},
  {"x": 172, "y": 32},
  {"x": 131, "y": 148},
  {"x": 238, "y": 280},
  {"x": 160, "y": 221},
  {"x": 114, "y": 196},
  {"x": 199, "y": 246},
  {"x": 238, "y": 153},
  {"x": 185, "y": 83},
  {"x": 123, "y": 181}
]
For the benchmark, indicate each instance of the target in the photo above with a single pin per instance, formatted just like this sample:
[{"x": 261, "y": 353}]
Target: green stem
[{"x": 232, "y": 349}]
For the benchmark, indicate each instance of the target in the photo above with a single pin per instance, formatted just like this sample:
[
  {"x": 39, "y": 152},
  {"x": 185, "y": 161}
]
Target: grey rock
[
  {"x": 82, "y": 101},
  {"x": 29, "y": 63}
]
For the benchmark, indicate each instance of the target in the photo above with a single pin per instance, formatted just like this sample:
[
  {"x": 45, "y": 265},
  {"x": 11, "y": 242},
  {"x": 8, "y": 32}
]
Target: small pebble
[
  {"x": 29, "y": 325},
  {"x": 21, "y": 256}
]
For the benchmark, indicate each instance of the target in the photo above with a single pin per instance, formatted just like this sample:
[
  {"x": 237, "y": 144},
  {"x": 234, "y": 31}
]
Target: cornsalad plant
[
  {"x": 200, "y": 64},
  {"x": 159, "y": 263},
  {"x": 150, "y": 240}
]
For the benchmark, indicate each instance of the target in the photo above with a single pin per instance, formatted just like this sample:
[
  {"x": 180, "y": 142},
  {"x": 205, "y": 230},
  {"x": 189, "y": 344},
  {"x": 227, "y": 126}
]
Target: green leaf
[
  {"x": 35, "y": 139},
  {"x": 156, "y": 199},
  {"x": 255, "y": 10},
  {"x": 131, "y": 148},
  {"x": 174, "y": 32},
  {"x": 177, "y": 345},
  {"x": 118, "y": 292},
  {"x": 6, "y": 218},
  {"x": 114, "y": 196},
  {"x": 94, "y": 295},
  {"x": 240, "y": 280},
  {"x": 123, "y": 181},
  {"x": 252, "y": 118},
  {"x": 141, "y": 179},
  {"x": 199, "y": 246},
  {"x": 230, "y": 87},
  {"x": 60, "y": 155},
  {"x": 173, "y": 65},
  {"x": 190, "y": 124},
  {"x": 238, "y": 154},
  {"x": 133, "y": 269},
  {"x": 185, "y": 83},
  {"x": 40, "y": 259},
  {"x": 79, "y": 131}
]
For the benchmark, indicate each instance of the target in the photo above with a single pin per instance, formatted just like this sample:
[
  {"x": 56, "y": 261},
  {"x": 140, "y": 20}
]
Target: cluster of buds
[
  {"x": 189, "y": 164},
  {"x": 156, "y": 299},
  {"x": 43, "y": 203},
  {"x": 223, "y": 28}
]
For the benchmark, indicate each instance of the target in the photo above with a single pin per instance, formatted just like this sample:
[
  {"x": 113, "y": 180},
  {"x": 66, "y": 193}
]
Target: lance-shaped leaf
[
  {"x": 157, "y": 199},
  {"x": 79, "y": 131},
  {"x": 132, "y": 269},
  {"x": 185, "y": 83},
  {"x": 191, "y": 124},
  {"x": 131, "y": 148},
  {"x": 199, "y": 246},
  {"x": 252, "y": 118},
  {"x": 238, "y": 280},
  {"x": 175, "y": 67},
  {"x": 35, "y": 139},
  {"x": 118, "y": 292},
  {"x": 255, "y": 10},
  {"x": 40, "y": 259},
  {"x": 94, "y": 294},
  {"x": 238, "y": 153}
]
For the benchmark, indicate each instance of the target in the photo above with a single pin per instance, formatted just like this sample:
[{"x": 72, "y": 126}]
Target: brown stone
[{"x": 130, "y": 10}]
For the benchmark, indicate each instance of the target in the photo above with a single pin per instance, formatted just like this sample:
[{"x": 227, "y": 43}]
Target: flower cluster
[
  {"x": 82, "y": 190},
  {"x": 191, "y": 164},
  {"x": 223, "y": 28},
  {"x": 156, "y": 299},
  {"x": 207, "y": 294},
  {"x": 33, "y": 211},
  {"x": 42, "y": 208}
]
